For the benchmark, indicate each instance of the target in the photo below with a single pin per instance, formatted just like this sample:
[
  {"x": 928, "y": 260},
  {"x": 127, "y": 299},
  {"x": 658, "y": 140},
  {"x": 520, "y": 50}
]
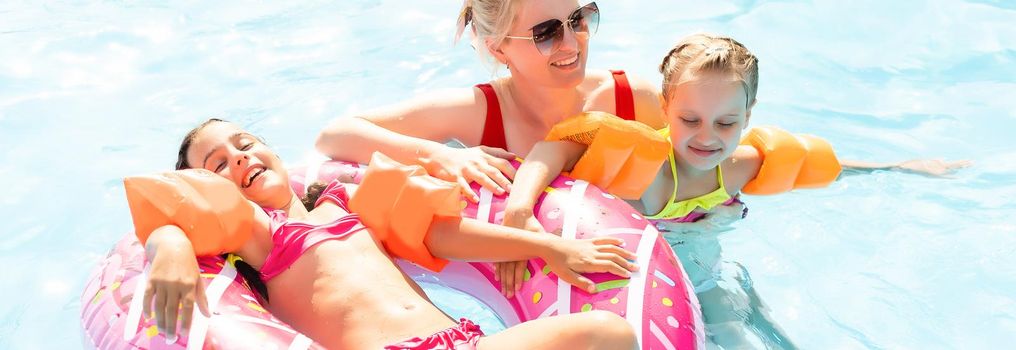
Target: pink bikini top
[{"x": 291, "y": 239}]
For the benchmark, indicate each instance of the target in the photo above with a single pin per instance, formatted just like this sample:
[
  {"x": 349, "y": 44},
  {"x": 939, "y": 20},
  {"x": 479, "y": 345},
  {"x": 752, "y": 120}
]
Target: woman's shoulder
[{"x": 601, "y": 87}]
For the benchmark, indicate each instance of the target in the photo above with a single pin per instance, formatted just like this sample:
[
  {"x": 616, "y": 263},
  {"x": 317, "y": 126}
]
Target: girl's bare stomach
[{"x": 349, "y": 294}]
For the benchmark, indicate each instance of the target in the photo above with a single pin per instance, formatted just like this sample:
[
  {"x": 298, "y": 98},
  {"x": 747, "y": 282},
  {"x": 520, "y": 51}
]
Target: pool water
[{"x": 92, "y": 91}]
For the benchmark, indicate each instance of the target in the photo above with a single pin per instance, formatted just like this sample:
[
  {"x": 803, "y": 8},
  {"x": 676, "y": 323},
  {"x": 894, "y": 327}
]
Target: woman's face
[
  {"x": 706, "y": 119},
  {"x": 562, "y": 67},
  {"x": 227, "y": 150}
]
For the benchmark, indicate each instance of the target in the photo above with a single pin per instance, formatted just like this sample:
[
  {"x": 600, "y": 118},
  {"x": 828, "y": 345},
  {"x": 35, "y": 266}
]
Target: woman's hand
[
  {"x": 174, "y": 286},
  {"x": 487, "y": 166},
  {"x": 568, "y": 258},
  {"x": 511, "y": 274}
]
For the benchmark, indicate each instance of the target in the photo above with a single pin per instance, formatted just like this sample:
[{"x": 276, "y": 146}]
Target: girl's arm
[
  {"x": 926, "y": 167},
  {"x": 746, "y": 161},
  {"x": 545, "y": 162},
  {"x": 413, "y": 132},
  {"x": 472, "y": 240},
  {"x": 174, "y": 280}
]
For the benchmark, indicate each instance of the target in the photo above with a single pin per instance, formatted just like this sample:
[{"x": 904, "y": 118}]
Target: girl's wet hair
[
  {"x": 249, "y": 274},
  {"x": 698, "y": 54}
]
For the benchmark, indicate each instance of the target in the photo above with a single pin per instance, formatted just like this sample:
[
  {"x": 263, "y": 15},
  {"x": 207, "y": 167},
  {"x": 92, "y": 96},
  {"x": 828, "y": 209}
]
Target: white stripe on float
[
  {"x": 548, "y": 311},
  {"x": 662, "y": 337},
  {"x": 311, "y": 175},
  {"x": 483, "y": 208},
  {"x": 572, "y": 212},
  {"x": 137, "y": 299},
  {"x": 300, "y": 343},
  {"x": 214, "y": 291},
  {"x": 637, "y": 286}
]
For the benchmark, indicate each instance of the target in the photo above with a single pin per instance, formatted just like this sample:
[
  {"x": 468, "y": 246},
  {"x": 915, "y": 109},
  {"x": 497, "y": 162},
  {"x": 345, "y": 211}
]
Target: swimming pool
[{"x": 93, "y": 91}]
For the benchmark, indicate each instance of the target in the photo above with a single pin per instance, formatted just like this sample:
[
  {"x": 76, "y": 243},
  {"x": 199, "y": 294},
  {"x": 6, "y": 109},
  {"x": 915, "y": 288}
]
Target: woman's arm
[
  {"x": 472, "y": 240},
  {"x": 413, "y": 132},
  {"x": 174, "y": 280}
]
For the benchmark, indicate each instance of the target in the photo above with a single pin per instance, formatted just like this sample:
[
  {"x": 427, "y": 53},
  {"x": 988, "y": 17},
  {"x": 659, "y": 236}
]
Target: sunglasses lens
[
  {"x": 586, "y": 19},
  {"x": 547, "y": 35}
]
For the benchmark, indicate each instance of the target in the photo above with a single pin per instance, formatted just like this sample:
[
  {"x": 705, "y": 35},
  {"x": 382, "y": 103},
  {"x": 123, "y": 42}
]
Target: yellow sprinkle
[
  {"x": 208, "y": 275},
  {"x": 668, "y": 302},
  {"x": 256, "y": 307},
  {"x": 615, "y": 300},
  {"x": 98, "y": 295},
  {"x": 115, "y": 285},
  {"x": 654, "y": 284},
  {"x": 587, "y": 307},
  {"x": 151, "y": 331},
  {"x": 536, "y": 297}
]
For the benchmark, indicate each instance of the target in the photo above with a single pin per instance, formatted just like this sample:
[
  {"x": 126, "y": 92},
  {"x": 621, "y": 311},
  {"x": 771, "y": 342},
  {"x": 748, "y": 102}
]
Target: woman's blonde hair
[
  {"x": 487, "y": 19},
  {"x": 706, "y": 53}
]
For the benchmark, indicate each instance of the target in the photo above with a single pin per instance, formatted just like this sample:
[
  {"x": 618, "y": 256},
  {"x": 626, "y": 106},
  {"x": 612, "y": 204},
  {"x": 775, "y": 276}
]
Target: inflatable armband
[
  {"x": 209, "y": 209},
  {"x": 399, "y": 202},
  {"x": 790, "y": 161},
  {"x": 623, "y": 156}
]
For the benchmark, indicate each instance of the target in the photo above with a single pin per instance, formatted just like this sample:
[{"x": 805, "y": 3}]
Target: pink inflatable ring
[{"x": 657, "y": 301}]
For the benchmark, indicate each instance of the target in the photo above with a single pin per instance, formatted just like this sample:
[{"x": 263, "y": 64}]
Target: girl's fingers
[
  {"x": 172, "y": 312},
  {"x": 186, "y": 313},
  {"x": 613, "y": 249},
  {"x": 200, "y": 299},
  {"x": 147, "y": 301},
  {"x": 520, "y": 271},
  {"x": 159, "y": 306}
]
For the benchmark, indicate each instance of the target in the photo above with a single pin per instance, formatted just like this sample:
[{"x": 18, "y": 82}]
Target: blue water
[{"x": 92, "y": 91}]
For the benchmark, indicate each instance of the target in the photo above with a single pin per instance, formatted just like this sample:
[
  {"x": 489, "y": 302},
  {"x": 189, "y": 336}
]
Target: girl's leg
[
  {"x": 587, "y": 330},
  {"x": 735, "y": 316}
]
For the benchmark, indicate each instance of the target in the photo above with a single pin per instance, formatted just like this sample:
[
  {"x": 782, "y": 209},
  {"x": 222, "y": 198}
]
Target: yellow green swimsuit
[{"x": 684, "y": 211}]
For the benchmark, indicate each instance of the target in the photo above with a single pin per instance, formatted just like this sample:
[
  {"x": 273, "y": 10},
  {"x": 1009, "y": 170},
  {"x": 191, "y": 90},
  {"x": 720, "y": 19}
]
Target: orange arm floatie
[
  {"x": 399, "y": 202},
  {"x": 790, "y": 161},
  {"x": 208, "y": 208},
  {"x": 623, "y": 156}
]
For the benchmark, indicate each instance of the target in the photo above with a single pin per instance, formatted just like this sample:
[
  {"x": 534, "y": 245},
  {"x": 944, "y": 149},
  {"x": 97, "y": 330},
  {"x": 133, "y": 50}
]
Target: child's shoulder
[{"x": 741, "y": 167}]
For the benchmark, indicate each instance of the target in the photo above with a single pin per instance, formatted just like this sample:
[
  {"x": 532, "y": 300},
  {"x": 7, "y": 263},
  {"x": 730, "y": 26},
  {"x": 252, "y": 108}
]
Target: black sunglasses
[{"x": 547, "y": 35}]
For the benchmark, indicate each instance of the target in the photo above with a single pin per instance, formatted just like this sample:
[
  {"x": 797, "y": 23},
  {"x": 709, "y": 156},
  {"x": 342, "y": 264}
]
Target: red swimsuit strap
[
  {"x": 493, "y": 129},
  {"x": 624, "y": 99}
]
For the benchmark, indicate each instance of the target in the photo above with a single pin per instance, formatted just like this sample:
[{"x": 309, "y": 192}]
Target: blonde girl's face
[
  {"x": 229, "y": 151},
  {"x": 564, "y": 66},
  {"x": 706, "y": 119}
]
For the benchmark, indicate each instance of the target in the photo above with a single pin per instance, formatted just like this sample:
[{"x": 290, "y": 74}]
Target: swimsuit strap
[
  {"x": 683, "y": 208},
  {"x": 493, "y": 128},
  {"x": 624, "y": 98}
]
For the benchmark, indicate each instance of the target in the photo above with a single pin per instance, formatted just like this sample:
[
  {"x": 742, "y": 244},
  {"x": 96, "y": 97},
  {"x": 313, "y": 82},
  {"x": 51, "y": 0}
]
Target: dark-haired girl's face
[{"x": 235, "y": 154}]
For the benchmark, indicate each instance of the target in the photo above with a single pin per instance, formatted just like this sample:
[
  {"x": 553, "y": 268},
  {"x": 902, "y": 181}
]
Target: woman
[{"x": 544, "y": 45}]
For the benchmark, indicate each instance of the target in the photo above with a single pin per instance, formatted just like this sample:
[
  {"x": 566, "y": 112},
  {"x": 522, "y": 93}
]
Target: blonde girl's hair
[{"x": 699, "y": 54}]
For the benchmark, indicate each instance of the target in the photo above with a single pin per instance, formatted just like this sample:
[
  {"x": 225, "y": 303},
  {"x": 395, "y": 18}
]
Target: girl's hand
[
  {"x": 568, "y": 258},
  {"x": 174, "y": 285},
  {"x": 933, "y": 167},
  {"x": 487, "y": 166},
  {"x": 512, "y": 273}
]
